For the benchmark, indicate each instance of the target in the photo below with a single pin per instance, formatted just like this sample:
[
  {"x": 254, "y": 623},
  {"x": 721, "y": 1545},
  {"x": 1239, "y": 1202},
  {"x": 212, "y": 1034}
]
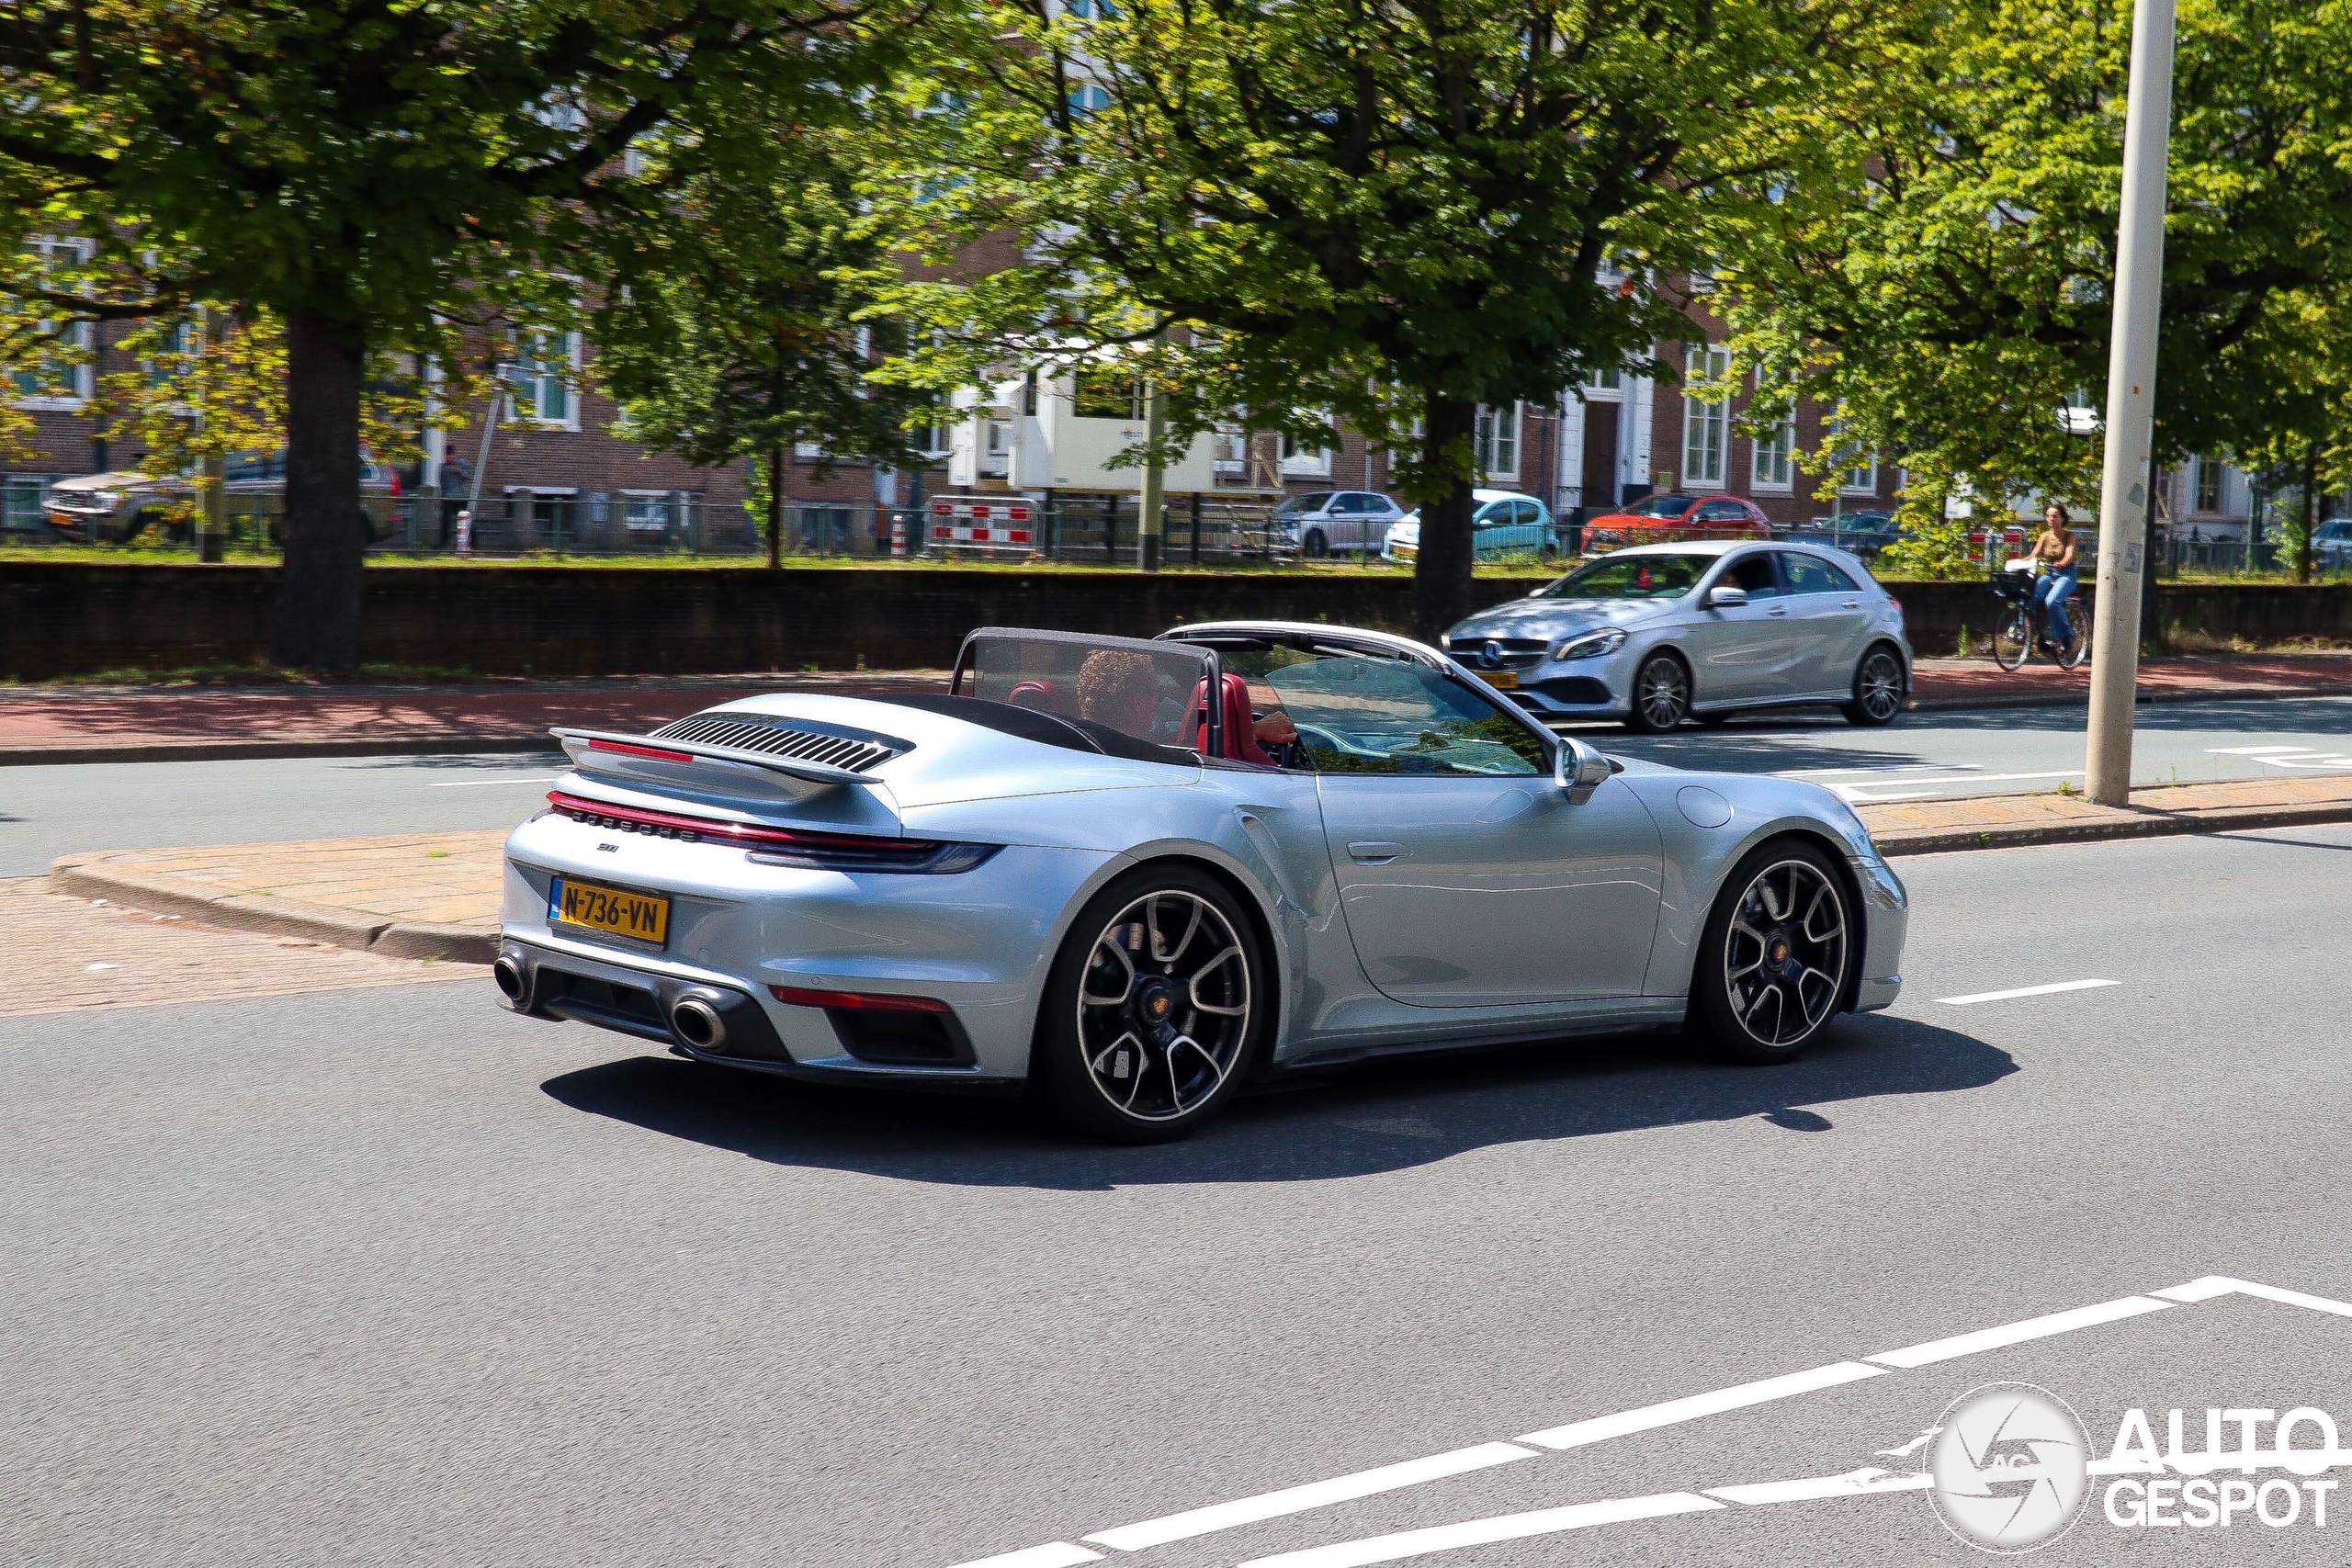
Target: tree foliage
[
  {"x": 376, "y": 174},
  {"x": 1936, "y": 258},
  {"x": 1392, "y": 213}
]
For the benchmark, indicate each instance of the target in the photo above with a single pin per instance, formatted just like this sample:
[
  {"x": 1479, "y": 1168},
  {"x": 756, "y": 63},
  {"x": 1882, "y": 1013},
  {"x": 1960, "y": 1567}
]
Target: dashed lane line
[
  {"x": 1422, "y": 1542},
  {"x": 2054, "y": 988}
]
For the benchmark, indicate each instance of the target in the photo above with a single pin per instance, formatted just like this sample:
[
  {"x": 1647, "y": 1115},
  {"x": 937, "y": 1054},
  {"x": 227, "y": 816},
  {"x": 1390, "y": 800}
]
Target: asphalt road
[
  {"x": 46, "y": 812},
  {"x": 390, "y": 1276}
]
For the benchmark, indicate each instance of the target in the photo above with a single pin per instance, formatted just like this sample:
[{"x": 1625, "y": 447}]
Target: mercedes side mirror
[
  {"x": 1579, "y": 770},
  {"x": 1726, "y": 598}
]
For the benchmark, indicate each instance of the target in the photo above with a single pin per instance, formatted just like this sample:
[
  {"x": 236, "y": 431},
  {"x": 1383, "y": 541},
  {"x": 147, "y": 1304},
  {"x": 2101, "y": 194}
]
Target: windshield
[
  {"x": 1144, "y": 691},
  {"x": 1659, "y": 506},
  {"x": 1631, "y": 577},
  {"x": 1357, "y": 714},
  {"x": 1298, "y": 503}
]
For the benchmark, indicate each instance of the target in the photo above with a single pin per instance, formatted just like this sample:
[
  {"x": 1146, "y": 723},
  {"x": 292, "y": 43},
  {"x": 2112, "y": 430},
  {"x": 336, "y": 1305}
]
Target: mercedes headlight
[{"x": 1591, "y": 645}]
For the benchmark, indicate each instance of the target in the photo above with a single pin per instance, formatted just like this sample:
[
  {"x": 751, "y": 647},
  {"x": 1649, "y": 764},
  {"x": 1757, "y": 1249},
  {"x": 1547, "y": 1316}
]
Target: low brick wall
[{"x": 74, "y": 619}]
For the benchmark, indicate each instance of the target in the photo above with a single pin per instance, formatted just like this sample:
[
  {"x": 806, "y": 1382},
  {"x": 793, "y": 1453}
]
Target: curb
[
  {"x": 267, "y": 915},
  {"x": 2083, "y": 698},
  {"x": 249, "y": 751},
  {"x": 2145, "y": 823}
]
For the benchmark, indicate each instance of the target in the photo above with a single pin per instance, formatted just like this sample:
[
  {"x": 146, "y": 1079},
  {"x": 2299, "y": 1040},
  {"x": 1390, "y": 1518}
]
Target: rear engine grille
[{"x": 851, "y": 750}]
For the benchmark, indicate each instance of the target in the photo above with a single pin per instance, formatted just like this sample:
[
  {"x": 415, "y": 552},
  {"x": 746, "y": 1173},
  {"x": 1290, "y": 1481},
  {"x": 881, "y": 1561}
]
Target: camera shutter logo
[{"x": 2008, "y": 1467}]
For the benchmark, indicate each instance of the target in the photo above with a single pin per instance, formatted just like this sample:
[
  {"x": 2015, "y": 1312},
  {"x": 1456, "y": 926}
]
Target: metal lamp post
[{"x": 2124, "y": 502}]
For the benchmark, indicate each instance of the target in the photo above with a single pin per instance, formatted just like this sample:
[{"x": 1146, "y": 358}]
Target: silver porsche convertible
[{"x": 1135, "y": 874}]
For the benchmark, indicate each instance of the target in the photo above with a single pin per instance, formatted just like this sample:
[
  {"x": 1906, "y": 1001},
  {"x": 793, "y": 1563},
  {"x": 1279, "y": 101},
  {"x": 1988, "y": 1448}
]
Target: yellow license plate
[
  {"x": 641, "y": 917},
  {"x": 1500, "y": 680}
]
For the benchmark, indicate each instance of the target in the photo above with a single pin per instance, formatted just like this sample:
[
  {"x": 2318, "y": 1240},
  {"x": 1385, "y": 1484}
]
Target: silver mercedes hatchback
[{"x": 1659, "y": 634}]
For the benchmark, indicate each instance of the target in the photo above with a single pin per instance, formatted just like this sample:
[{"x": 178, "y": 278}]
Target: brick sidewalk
[
  {"x": 56, "y": 723},
  {"x": 436, "y": 895}
]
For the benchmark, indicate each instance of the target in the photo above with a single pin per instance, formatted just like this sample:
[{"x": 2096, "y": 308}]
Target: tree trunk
[
  {"x": 321, "y": 589},
  {"x": 1441, "y": 572},
  {"x": 775, "y": 507}
]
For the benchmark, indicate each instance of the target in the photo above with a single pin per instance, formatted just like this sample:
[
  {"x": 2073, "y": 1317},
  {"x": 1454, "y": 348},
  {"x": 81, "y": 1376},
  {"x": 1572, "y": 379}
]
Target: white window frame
[
  {"x": 667, "y": 499},
  {"x": 2207, "y": 467},
  {"x": 1230, "y": 449},
  {"x": 1855, "y": 478},
  {"x": 1771, "y": 462},
  {"x": 1706, "y": 426},
  {"x": 535, "y": 381},
  {"x": 81, "y": 336},
  {"x": 1300, "y": 462},
  {"x": 1496, "y": 440}
]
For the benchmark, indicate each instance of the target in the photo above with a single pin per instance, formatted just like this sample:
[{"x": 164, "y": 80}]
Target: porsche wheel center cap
[
  {"x": 1777, "y": 951},
  {"x": 1154, "y": 1000}
]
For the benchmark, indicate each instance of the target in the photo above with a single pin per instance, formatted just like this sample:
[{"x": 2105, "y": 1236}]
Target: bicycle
[{"x": 2021, "y": 629}]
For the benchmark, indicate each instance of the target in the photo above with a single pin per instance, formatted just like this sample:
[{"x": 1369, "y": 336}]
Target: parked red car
[{"x": 1674, "y": 519}]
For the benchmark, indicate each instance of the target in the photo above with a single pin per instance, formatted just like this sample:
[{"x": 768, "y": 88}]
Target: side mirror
[
  {"x": 1579, "y": 770},
  {"x": 1726, "y": 598}
]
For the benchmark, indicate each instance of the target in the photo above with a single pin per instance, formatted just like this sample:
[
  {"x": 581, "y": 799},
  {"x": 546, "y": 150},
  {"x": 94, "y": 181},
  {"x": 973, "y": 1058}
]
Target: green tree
[
  {"x": 2300, "y": 426},
  {"x": 744, "y": 324},
  {"x": 1937, "y": 252},
  {"x": 1300, "y": 208},
  {"x": 371, "y": 172}
]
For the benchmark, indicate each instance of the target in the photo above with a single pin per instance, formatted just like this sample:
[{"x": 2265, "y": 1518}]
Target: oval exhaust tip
[
  {"x": 513, "y": 983},
  {"x": 698, "y": 1024}
]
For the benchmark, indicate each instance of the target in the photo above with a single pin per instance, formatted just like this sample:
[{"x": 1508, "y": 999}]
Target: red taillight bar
[
  {"x": 655, "y": 752},
  {"x": 725, "y": 832},
  {"x": 855, "y": 1001}
]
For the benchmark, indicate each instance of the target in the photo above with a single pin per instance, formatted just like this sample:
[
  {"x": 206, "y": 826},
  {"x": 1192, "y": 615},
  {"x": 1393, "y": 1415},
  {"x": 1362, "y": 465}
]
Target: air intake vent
[{"x": 851, "y": 750}]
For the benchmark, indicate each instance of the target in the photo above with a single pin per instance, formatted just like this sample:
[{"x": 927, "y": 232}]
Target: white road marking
[
  {"x": 1058, "y": 1554},
  {"x": 1854, "y": 1483},
  {"x": 2307, "y": 757},
  {"x": 1982, "y": 1339},
  {"x": 1413, "y": 1543},
  {"x": 1577, "y": 1434},
  {"x": 475, "y": 783},
  {"x": 1886, "y": 768},
  {"x": 2050, "y": 990},
  {"x": 1863, "y": 792},
  {"x": 1317, "y": 1494},
  {"x": 1480, "y": 1532}
]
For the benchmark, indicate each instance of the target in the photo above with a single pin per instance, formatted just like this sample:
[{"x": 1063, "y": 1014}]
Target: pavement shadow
[{"x": 1379, "y": 1117}]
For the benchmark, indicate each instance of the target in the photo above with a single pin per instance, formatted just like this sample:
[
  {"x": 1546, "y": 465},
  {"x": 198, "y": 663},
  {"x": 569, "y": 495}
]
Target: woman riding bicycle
[{"x": 2054, "y": 551}]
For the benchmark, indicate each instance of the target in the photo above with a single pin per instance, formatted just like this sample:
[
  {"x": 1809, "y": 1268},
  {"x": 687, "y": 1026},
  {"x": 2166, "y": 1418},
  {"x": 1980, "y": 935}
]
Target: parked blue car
[{"x": 1505, "y": 524}]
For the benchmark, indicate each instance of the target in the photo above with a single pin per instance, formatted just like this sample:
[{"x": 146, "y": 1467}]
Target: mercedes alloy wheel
[
  {"x": 1661, "y": 695},
  {"x": 1154, "y": 1007},
  {"x": 1878, "y": 688}
]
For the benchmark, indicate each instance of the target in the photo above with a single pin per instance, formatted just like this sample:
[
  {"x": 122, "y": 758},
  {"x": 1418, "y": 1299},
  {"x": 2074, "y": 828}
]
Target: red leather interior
[
  {"x": 1240, "y": 737},
  {"x": 1043, "y": 695}
]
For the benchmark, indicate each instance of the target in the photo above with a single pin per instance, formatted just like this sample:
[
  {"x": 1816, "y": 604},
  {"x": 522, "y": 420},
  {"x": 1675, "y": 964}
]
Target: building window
[
  {"x": 645, "y": 511},
  {"x": 1091, "y": 10},
  {"x": 1773, "y": 450},
  {"x": 1301, "y": 460},
  {"x": 1230, "y": 449},
  {"x": 1605, "y": 381},
  {"x": 1089, "y": 100},
  {"x": 24, "y": 503},
  {"x": 64, "y": 378},
  {"x": 1498, "y": 441},
  {"x": 1706, "y": 426},
  {"x": 543, "y": 379},
  {"x": 1107, "y": 394},
  {"x": 2209, "y": 485},
  {"x": 1857, "y": 472}
]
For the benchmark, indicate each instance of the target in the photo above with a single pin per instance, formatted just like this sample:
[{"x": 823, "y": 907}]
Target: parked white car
[{"x": 1335, "y": 521}]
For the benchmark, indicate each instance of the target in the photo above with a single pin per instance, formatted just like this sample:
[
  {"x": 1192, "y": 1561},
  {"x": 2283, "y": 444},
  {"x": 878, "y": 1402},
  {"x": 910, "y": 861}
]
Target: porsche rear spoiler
[{"x": 706, "y": 768}]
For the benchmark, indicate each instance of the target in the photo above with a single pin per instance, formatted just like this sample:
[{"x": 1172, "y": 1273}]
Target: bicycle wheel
[
  {"x": 2072, "y": 653},
  {"x": 2013, "y": 638}
]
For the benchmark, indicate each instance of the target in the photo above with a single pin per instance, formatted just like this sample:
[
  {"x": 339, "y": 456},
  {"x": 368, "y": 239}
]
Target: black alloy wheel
[
  {"x": 1154, "y": 1009},
  {"x": 1777, "y": 955},
  {"x": 1878, "y": 688},
  {"x": 1661, "y": 695}
]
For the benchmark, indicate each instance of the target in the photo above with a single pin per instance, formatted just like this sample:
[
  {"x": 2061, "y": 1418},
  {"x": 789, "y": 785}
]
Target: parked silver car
[
  {"x": 1335, "y": 521},
  {"x": 117, "y": 508},
  {"x": 1136, "y": 874},
  {"x": 1661, "y": 633}
]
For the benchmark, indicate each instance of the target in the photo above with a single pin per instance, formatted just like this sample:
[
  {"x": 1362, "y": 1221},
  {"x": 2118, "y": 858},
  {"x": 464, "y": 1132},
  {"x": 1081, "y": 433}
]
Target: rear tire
[
  {"x": 1156, "y": 1008},
  {"x": 1878, "y": 688},
  {"x": 1776, "y": 958},
  {"x": 2071, "y": 655},
  {"x": 1316, "y": 547}
]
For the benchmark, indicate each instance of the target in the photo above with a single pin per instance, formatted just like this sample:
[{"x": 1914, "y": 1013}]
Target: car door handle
[
  {"x": 1371, "y": 851},
  {"x": 1777, "y": 610},
  {"x": 1853, "y": 603}
]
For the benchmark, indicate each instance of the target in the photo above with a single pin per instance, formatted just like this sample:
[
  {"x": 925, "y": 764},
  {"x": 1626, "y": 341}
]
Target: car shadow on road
[{"x": 1382, "y": 1116}]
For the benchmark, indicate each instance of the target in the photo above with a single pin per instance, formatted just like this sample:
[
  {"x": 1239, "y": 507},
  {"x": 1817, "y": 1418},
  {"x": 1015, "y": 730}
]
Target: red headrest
[{"x": 1241, "y": 736}]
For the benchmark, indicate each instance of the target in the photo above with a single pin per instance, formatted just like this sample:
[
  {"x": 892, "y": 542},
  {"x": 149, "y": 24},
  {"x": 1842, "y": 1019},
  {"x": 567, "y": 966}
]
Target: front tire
[
  {"x": 1878, "y": 688},
  {"x": 2013, "y": 638},
  {"x": 1154, "y": 1009},
  {"x": 1661, "y": 695},
  {"x": 1316, "y": 547},
  {"x": 1777, "y": 957}
]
